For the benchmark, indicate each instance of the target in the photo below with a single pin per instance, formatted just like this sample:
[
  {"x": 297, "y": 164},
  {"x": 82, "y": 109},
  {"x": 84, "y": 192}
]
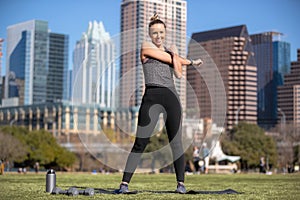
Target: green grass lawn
[{"x": 251, "y": 186}]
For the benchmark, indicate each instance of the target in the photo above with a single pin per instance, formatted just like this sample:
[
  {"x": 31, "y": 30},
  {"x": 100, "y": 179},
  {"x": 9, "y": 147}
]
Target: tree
[
  {"x": 251, "y": 143},
  {"x": 287, "y": 137},
  {"x": 40, "y": 146},
  {"x": 47, "y": 151},
  {"x": 64, "y": 158},
  {"x": 11, "y": 149}
]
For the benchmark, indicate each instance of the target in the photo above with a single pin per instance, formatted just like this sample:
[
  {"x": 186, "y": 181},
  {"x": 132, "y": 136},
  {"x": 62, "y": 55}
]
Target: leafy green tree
[
  {"x": 64, "y": 158},
  {"x": 250, "y": 142},
  {"x": 47, "y": 151},
  {"x": 40, "y": 146},
  {"x": 16, "y": 131}
]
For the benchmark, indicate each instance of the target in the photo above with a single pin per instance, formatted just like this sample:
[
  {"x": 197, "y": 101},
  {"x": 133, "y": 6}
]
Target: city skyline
[{"x": 269, "y": 15}]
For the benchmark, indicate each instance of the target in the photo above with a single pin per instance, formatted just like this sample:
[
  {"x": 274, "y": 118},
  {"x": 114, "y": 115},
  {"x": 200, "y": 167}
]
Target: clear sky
[{"x": 72, "y": 16}]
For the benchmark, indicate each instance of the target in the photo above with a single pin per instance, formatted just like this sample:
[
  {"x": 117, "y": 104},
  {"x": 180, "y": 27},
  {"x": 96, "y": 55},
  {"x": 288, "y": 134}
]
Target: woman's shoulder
[{"x": 147, "y": 44}]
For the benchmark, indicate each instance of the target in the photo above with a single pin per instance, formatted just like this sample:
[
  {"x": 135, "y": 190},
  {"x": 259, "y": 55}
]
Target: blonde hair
[
  {"x": 155, "y": 20},
  {"x": 154, "y": 17}
]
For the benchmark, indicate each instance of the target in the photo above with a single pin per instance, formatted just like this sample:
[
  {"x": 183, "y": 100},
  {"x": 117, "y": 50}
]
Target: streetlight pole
[
  {"x": 12, "y": 122},
  {"x": 237, "y": 115},
  {"x": 283, "y": 121}
]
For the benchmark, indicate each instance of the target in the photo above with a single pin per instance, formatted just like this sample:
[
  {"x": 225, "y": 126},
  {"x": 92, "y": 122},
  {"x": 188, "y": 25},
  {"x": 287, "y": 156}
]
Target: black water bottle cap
[{"x": 51, "y": 171}]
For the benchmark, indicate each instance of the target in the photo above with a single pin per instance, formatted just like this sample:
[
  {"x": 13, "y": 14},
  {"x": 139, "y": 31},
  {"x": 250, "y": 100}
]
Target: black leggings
[{"x": 157, "y": 100}]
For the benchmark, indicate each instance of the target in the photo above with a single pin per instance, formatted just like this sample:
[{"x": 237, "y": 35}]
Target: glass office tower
[
  {"x": 289, "y": 95},
  {"x": 35, "y": 58},
  {"x": 273, "y": 61},
  {"x": 57, "y": 78}
]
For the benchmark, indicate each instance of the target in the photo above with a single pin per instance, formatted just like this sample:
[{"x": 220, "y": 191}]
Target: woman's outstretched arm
[{"x": 148, "y": 49}]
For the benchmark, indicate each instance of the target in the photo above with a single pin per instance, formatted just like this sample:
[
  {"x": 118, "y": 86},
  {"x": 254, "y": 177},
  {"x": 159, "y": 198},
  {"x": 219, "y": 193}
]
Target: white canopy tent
[{"x": 219, "y": 154}]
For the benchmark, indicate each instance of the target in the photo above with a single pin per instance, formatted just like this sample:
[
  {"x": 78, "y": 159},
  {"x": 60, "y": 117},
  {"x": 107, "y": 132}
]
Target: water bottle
[{"x": 50, "y": 180}]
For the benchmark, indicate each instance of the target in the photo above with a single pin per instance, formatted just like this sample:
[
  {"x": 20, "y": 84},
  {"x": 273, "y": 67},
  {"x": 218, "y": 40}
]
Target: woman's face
[{"x": 157, "y": 33}]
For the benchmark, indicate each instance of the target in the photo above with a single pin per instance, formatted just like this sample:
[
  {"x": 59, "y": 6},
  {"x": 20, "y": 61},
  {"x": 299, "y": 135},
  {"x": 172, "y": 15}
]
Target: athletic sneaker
[
  {"x": 180, "y": 188},
  {"x": 123, "y": 189}
]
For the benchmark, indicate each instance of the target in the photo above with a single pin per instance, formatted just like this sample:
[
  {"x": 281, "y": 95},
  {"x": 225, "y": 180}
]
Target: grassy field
[{"x": 251, "y": 186}]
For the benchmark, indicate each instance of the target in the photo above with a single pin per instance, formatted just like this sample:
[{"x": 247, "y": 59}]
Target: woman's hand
[
  {"x": 181, "y": 61},
  {"x": 196, "y": 62}
]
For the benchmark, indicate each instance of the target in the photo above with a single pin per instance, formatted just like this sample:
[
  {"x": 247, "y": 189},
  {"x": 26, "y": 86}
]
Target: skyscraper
[
  {"x": 135, "y": 17},
  {"x": 70, "y": 78},
  {"x": 57, "y": 82},
  {"x": 1, "y": 78},
  {"x": 231, "y": 51},
  {"x": 1, "y": 54},
  {"x": 35, "y": 57},
  {"x": 273, "y": 61},
  {"x": 289, "y": 94},
  {"x": 281, "y": 59},
  {"x": 94, "y": 72}
]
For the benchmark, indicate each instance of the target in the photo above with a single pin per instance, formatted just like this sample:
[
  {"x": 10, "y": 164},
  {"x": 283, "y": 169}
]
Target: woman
[
  {"x": 160, "y": 96},
  {"x": 196, "y": 159}
]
